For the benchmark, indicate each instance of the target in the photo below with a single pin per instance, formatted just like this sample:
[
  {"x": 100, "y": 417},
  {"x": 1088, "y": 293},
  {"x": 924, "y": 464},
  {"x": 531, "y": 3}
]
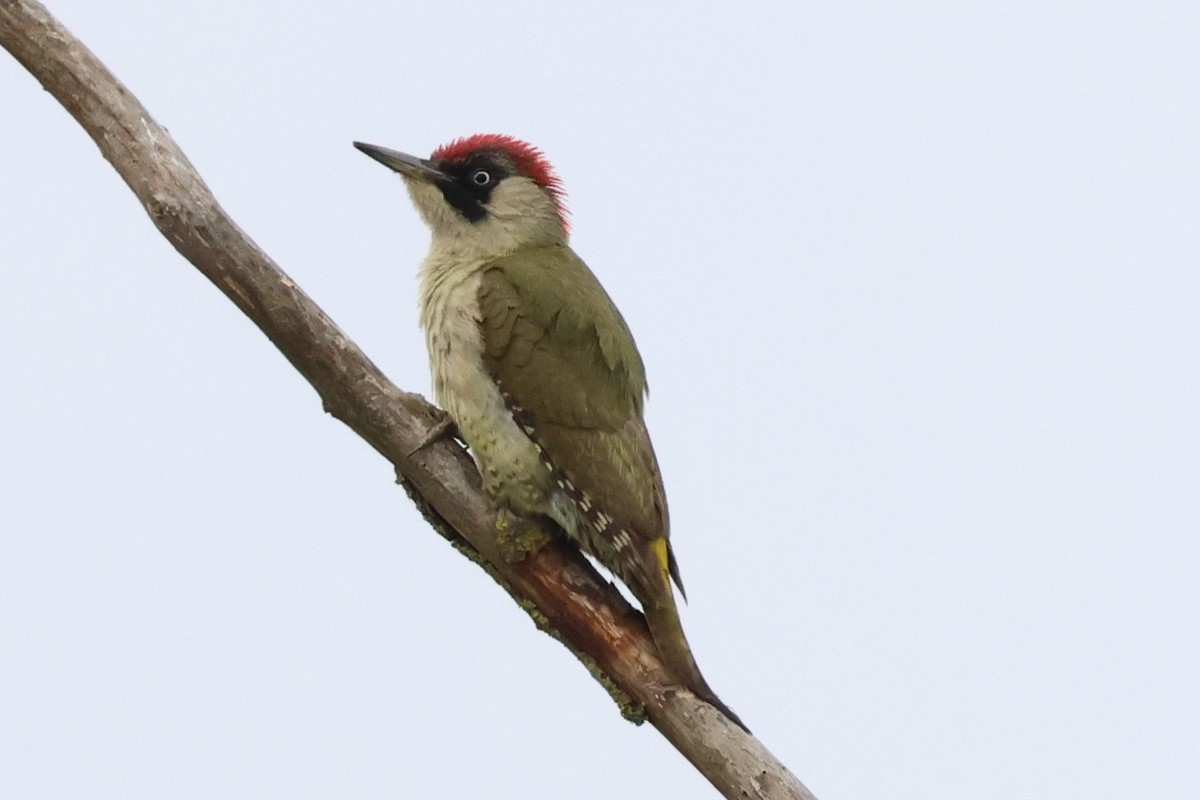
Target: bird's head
[{"x": 486, "y": 191}]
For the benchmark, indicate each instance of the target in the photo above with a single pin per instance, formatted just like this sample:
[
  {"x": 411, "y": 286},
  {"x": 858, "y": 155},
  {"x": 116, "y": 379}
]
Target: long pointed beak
[{"x": 406, "y": 165}]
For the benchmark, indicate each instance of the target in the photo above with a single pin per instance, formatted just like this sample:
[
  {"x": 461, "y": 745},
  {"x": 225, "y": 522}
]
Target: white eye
[{"x": 481, "y": 177}]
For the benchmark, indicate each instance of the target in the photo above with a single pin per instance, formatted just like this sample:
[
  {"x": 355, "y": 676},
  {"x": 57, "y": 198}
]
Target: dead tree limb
[{"x": 557, "y": 587}]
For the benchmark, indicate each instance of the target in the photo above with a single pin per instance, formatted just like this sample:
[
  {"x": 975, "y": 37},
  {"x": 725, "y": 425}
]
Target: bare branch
[{"x": 557, "y": 587}]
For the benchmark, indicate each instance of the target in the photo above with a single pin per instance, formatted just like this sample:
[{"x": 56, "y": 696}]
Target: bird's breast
[{"x": 507, "y": 458}]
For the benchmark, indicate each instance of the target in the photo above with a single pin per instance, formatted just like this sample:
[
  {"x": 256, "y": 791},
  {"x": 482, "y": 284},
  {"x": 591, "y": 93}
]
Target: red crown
[{"x": 529, "y": 161}]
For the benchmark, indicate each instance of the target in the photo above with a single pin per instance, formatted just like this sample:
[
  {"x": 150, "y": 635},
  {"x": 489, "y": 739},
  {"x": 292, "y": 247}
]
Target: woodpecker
[{"x": 538, "y": 370}]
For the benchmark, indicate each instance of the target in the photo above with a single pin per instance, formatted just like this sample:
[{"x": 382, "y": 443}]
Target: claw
[
  {"x": 441, "y": 429},
  {"x": 518, "y": 538}
]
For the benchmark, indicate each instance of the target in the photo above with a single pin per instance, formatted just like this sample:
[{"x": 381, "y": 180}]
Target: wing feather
[{"x": 559, "y": 348}]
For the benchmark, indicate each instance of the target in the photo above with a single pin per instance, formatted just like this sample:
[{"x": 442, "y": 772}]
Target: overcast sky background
[{"x": 918, "y": 290}]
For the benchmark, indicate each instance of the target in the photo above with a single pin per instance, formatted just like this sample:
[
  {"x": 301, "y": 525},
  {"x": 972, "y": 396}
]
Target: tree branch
[{"x": 557, "y": 586}]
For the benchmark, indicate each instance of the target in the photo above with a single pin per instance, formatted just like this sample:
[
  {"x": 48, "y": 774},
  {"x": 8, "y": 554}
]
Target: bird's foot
[
  {"x": 443, "y": 427},
  {"x": 518, "y": 538}
]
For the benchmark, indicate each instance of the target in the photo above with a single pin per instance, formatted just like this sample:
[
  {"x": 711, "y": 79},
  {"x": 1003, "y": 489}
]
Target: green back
[{"x": 559, "y": 348}]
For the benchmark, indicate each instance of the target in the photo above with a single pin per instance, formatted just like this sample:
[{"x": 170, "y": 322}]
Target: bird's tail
[{"x": 666, "y": 628}]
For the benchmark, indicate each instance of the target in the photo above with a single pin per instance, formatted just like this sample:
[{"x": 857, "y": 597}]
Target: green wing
[{"x": 558, "y": 347}]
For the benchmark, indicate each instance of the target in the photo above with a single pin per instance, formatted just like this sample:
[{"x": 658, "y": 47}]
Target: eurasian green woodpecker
[{"x": 538, "y": 370}]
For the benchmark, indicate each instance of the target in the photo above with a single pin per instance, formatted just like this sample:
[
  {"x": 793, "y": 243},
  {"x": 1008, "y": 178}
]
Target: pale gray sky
[{"x": 917, "y": 286}]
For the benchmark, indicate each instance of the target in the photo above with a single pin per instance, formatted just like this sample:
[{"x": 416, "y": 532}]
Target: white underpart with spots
[
  {"x": 509, "y": 461},
  {"x": 520, "y": 214},
  {"x": 505, "y": 455}
]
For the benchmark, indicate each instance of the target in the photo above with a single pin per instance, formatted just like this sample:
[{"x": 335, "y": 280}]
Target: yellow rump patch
[{"x": 659, "y": 547}]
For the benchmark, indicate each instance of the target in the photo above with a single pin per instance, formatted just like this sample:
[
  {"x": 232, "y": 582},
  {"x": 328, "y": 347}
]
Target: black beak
[{"x": 406, "y": 165}]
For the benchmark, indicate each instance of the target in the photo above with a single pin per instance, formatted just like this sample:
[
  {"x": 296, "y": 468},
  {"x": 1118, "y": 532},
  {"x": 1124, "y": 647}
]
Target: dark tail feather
[
  {"x": 673, "y": 568},
  {"x": 667, "y": 631}
]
